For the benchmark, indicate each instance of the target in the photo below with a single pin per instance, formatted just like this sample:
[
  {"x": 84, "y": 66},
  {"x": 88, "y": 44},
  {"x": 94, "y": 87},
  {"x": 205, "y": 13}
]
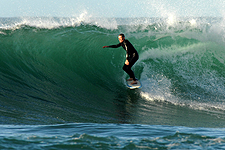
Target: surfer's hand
[
  {"x": 104, "y": 46},
  {"x": 127, "y": 62}
]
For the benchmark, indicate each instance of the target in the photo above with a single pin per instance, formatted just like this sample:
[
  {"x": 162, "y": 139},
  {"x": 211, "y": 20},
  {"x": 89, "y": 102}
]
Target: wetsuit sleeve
[{"x": 115, "y": 46}]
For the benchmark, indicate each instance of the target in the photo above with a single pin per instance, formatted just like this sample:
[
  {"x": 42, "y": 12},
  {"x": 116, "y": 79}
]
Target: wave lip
[{"x": 56, "y": 22}]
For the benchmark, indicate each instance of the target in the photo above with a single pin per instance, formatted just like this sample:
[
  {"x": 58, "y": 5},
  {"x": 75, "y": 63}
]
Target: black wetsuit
[{"x": 132, "y": 56}]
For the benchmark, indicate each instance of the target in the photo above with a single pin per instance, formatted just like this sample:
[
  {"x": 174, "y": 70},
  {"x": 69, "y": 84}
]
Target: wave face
[{"x": 54, "y": 70}]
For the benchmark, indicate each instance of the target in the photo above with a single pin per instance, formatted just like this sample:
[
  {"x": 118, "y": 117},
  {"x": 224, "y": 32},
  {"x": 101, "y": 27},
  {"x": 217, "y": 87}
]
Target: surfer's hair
[{"x": 123, "y": 36}]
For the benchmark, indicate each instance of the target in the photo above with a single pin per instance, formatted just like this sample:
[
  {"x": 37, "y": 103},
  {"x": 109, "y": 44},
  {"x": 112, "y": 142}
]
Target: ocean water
[{"x": 59, "y": 89}]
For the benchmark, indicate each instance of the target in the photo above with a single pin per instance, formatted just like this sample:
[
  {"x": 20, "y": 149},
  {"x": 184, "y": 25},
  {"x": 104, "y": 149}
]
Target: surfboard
[{"x": 133, "y": 86}]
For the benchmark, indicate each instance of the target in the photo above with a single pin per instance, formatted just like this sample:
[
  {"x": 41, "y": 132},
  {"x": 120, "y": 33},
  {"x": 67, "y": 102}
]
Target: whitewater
[{"x": 59, "y": 89}]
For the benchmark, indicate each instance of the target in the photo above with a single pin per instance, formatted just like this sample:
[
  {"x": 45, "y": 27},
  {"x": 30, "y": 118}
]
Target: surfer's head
[{"x": 121, "y": 37}]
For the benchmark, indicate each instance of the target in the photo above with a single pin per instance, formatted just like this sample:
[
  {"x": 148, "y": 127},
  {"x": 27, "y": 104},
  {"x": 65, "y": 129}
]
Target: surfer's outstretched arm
[{"x": 113, "y": 46}]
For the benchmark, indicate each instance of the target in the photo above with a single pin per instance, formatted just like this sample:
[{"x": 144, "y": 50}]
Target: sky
[{"x": 111, "y": 8}]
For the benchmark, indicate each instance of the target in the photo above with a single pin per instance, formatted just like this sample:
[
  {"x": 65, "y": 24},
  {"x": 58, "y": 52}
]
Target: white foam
[{"x": 55, "y": 22}]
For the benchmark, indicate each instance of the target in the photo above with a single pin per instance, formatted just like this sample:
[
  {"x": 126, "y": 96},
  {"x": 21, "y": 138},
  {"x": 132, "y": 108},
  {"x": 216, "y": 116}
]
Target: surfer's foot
[
  {"x": 131, "y": 79},
  {"x": 134, "y": 82}
]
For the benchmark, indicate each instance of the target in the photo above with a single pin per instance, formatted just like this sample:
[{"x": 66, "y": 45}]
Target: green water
[{"x": 62, "y": 78}]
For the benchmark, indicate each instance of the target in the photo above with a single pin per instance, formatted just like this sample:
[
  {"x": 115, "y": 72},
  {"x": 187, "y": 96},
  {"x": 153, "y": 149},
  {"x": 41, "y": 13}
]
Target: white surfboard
[{"x": 134, "y": 86}]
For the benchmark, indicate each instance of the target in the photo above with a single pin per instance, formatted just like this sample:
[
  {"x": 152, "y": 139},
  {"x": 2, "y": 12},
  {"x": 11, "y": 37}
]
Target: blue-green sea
[{"x": 59, "y": 89}]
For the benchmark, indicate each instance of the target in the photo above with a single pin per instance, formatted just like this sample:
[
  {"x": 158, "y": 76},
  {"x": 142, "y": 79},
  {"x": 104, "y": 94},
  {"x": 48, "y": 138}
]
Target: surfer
[{"x": 131, "y": 56}]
